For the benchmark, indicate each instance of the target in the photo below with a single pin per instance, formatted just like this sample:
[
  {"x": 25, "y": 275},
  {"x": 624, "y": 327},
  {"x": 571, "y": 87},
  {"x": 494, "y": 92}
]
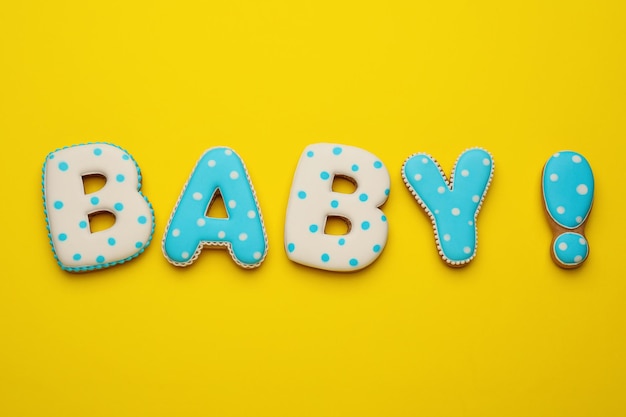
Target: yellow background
[{"x": 509, "y": 335}]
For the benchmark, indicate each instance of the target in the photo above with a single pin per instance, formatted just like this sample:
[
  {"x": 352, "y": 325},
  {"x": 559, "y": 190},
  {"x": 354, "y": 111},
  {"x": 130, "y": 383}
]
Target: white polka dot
[
  {"x": 221, "y": 234},
  {"x": 582, "y": 241},
  {"x": 446, "y": 237},
  {"x": 577, "y": 159},
  {"x": 582, "y": 189},
  {"x": 418, "y": 177},
  {"x": 471, "y": 223},
  {"x": 256, "y": 255},
  {"x": 563, "y": 246},
  {"x": 228, "y": 152},
  {"x": 467, "y": 249},
  {"x": 176, "y": 232},
  {"x": 201, "y": 222},
  {"x": 232, "y": 204},
  {"x": 560, "y": 209},
  {"x": 251, "y": 214},
  {"x": 211, "y": 163},
  {"x": 475, "y": 199},
  {"x": 578, "y": 258},
  {"x": 456, "y": 211},
  {"x": 185, "y": 255},
  {"x": 424, "y": 160},
  {"x": 436, "y": 211},
  {"x": 579, "y": 219},
  {"x": 234, "y": 175},
  {"x": 554, "y": 177},
  {"x": 243, "y": 236},
  {"x": 464, "y": 173},
  {"x": 441, "y": 190},
  {"x": 486, "y": 162},
  {"x": 197, "y": 196},
  {"x": 556, "y": 155}
]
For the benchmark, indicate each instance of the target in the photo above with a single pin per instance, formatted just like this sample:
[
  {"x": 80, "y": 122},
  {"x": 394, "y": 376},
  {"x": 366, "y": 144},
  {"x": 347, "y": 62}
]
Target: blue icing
[
  {"x": 219, "y": 169},
  {"x": 453, "y": 209},
  {"x": 570, "y": 248},
  {"x": 568, "y": 188}
]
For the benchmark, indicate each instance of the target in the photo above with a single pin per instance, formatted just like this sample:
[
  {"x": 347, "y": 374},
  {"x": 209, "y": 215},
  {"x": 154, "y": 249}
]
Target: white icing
[{"x": 312, "y": 200}]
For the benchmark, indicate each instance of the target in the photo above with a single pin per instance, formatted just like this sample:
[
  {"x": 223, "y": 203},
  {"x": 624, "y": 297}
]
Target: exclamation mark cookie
[{"x": 567, "y": 188}]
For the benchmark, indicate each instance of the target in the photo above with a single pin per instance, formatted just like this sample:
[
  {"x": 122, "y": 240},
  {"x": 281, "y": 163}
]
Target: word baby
[{"x": 452, "y": 206}]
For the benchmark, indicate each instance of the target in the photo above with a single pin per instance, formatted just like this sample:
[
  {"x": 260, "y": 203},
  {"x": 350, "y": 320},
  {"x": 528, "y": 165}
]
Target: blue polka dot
[
  {"x": 353, "y": 262},
  {"x": 52, "y": 156},
  {"x": 119, "y": 206},
  {"x": 378, "y": 164},
  {"x": 365, "y": 225},
  {"x": 291, "y": 247},
  {"x": 138, "y": 245},
  {"x": 82, "y": 224},
  {"x": 363, "y": 197},
  {"x": 334, "y": 204},
  {"x": 100, "y": 259},
  {"x": 383, "y": 218},
  {"x": 310, "y": 154},
  {"x": 341, "y": 241},
  {"x": 63, "y": 166},
  {"x": 313, "y": 228},
  {"x": 125, "y": 157},
  {"x": 142, "y": 219},
  {"x": 95, "y": 200},
  {"x": 97, "y": 151},
  {"x": 324, "y": 175},
  {"x": 301, "y": 195},
  {"x": 325, "y": 257},
  {"x": 376, "y": 248},
  {"x": 120, "y": 178},
  {"x": 111, "y": 241},
  {"x": 58, "y": 205},
  {"x": 62, "y": 237},
  {"x": 355, "y": 168},
  {"x": 76, "y": 257},
  {"x": 337, "y": 150},
  {"x": 387, "y": 191}
]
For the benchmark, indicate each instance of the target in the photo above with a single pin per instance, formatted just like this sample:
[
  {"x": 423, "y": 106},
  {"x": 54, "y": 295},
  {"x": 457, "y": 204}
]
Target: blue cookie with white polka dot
[
  {"x": 568, "y": 189},
  {"x": 190, "y": 229},
  {"x": 452, "y": 206}
]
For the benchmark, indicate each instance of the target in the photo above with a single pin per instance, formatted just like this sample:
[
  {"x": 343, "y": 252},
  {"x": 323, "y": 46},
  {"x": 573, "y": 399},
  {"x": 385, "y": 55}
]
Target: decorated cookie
[
  {"x": 68, "y": 207},
  {"x": 312, "y": 202},
  {"x": 567, "y": 189},
  {"x": 453, "y": 205},
  {"x": 190, "y": 229}
]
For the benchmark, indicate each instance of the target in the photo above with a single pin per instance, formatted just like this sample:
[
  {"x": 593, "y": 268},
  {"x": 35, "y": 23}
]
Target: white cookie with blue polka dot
[
  {"x": 68, "y": 207},
  {"x": 312, "y": 201}
]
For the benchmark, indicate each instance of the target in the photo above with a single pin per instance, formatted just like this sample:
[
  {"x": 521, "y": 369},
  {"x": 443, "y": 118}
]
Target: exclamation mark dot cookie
[{"x": 567, "y": 187}]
